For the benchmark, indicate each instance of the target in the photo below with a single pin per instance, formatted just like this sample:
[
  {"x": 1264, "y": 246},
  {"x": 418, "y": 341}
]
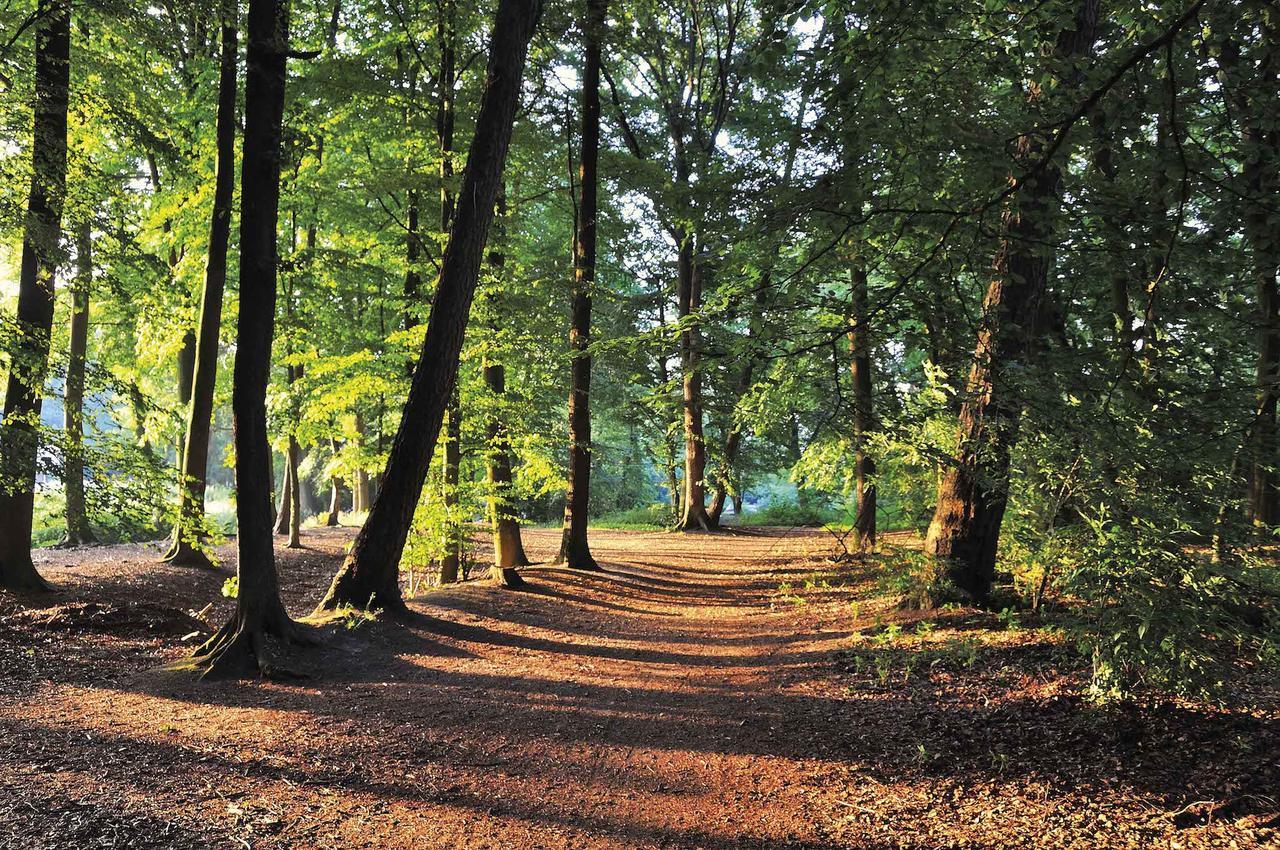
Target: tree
[
  {"x": 188, "y": 533},
  {"x": 244, "y": 643},
  {"x": 574, "y": 548},
  {"x": 973, "y": 493},
  {"x": 78, "y": 531},
  {"x": 41, "y": 252},
  {"x": 369, "y": 576}
]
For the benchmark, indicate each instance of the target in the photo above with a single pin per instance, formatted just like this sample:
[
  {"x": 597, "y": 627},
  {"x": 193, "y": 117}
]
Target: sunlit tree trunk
[
  {"x": 973, "y": 492},
  {"x": 188, "y": 530},
  {"x": 369, "y": 576},
  {"x": 41, "y": 252}
]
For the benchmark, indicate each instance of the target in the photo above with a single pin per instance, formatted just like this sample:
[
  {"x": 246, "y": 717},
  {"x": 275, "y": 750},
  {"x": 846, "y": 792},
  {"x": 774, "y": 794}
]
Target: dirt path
[{"x": 675, "y": 700}]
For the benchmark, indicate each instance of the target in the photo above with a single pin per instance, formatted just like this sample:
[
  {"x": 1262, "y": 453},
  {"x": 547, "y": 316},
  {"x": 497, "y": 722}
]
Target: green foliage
[{"x": 1158, "y": 616}]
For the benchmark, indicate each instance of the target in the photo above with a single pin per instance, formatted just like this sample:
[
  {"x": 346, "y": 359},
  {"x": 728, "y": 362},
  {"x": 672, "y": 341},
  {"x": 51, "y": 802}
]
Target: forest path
[
  {"x": 701, "y": 691},
  {"x": 646, "y": 705}
]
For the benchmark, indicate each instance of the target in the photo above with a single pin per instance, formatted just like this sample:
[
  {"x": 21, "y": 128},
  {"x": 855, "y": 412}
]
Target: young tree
[
  {"x": 574, "y": 549},
  {"x": 188, "y": 529},
  {"x": 243, "y": 644},
  {"x": 369, "y": 577},
  {"x": 41, "y": 251}
]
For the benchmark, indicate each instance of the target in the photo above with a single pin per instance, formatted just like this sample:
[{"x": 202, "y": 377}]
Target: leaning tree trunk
[
  {"x": 29, "y": 353},
  {"x": 369, "y": 577},
  {"x": 78, "y": 530},
  {"x": 973, "y": 492},
  {"x": 689, "y": 297},
  {"x": 575, "y": 552},
  {"x": 244, "y": 644},
  {"x": 188, "y": 533},
  {"x": 864, "y": 526}
]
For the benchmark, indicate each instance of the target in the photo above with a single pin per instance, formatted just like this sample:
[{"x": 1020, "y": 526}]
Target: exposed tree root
[
  {"x": 507, "y": 577},
  {"x": 185, "y": 555},
  {"x": 243, "y": 649}
]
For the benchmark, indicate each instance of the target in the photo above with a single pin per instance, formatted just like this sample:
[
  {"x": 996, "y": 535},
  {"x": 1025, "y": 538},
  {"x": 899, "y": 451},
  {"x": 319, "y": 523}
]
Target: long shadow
[{"x": 124, "y": 753}]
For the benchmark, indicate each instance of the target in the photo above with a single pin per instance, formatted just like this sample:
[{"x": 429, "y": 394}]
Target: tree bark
[
  {"x": 188, "y": 538},
  {"x": 575, "y": 551},
  {"x": 78, "y": 531},
  {"x": 41, "y": 251},
  {"x": 284, "y": 508},
  {"x": 244, "y": 645},
  {"x": 973, "y": 492},
  {"x": 369, "y": 577}
]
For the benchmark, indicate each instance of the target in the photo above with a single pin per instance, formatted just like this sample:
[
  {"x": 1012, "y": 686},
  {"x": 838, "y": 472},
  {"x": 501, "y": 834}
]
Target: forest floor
[{"x": 718, "y": 691}]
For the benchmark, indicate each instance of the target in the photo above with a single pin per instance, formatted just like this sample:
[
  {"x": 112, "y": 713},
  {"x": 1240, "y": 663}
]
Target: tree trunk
[
  {"x": 41, "y": 252},
  {"x": 244, "y": 644},
  {"x": 508, "y": 547},
  {"x": 864, "y": 526},
  {"x": 973, "y": 492},
  {"x": 333, "y": 517},
  {"x": 575, "y": 551},
  {"x": 187, "y": 547},
  {"x": 295, "y": 496},
  {"x": 451, "y": 563},
  {"x": 689, "y": 299},
  {"x": 369, "y": 576},
  {"x": 284, "y": 508},
  {"x": 78, "y": 531}
]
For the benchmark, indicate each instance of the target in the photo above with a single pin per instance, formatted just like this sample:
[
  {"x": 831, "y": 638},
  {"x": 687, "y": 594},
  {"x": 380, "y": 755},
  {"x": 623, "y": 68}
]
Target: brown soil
[{"x": 704, "y": 691}]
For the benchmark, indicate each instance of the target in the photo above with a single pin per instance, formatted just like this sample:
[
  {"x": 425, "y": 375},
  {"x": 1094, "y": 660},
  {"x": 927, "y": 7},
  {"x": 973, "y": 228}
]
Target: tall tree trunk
[
  {"x": 973, "y": 492},
  {"x": 188, "y": 534},
  {"x": 78, "y": 530},
  {"x": 451, "y": 563},
  {"x": 243, "y": 645},
  {"x": 689, "y": 299},
  {"x": 864, "y": 525},
  {"x": 575, "y": 551},
  {"x": 369, "y": 577},
  {"x": 29, "y": 353}
]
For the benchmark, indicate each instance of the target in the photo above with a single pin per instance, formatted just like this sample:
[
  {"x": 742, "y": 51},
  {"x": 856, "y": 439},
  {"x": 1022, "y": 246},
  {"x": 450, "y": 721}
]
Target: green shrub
[
  {"x": 1158, "y": 615},
  {"x": 790, "y": 514},
  {"x": 655, "y": 516}
]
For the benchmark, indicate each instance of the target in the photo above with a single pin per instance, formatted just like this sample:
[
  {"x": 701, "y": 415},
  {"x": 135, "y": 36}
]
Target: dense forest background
[{"x": 1000, "y": 273}]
